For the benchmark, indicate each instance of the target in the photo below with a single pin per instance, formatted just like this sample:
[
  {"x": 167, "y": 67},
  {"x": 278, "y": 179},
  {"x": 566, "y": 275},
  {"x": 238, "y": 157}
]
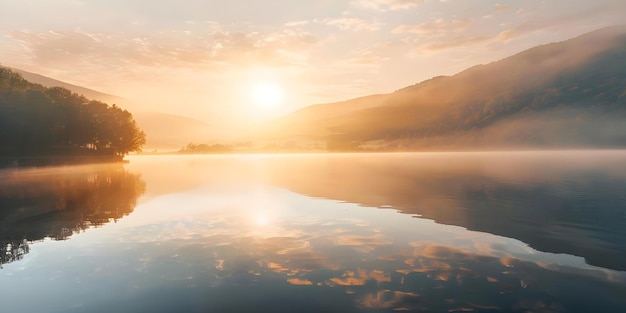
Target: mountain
[
  {"x": 565, "y": 94},
  {"x": 163, "y": 130},
  {"x": 328, "y": 112},
  {"x": 88, "y": 93},
  {"x": 170, "y": 131}
]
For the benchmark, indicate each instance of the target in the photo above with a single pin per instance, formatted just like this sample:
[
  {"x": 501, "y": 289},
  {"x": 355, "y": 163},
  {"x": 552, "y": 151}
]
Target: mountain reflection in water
[
  {"x": 560, "y": 202},
  {"x": 307, "y": 233}
]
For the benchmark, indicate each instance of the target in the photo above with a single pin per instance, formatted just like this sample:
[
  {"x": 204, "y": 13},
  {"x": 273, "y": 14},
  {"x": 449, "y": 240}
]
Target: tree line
[
  {"x": 58, "y": 204},
  {"x": 40, "y": 121}
]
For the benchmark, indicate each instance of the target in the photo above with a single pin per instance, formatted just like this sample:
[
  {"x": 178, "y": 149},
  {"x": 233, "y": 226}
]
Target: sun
[{"x": 267, "y": 94}]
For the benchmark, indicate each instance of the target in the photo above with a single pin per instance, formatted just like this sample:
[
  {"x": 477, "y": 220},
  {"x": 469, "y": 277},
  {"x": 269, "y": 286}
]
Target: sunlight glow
[
  {"x": 267, "y": 94},
  {"x": 262, "y": 219}
]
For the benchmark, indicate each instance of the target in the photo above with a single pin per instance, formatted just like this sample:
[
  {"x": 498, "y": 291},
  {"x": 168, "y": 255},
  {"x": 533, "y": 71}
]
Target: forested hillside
[
  {"x": 180, "y": 130},
  {"x": 565, "y": 94},
  {"x": 36, "y": 121}
]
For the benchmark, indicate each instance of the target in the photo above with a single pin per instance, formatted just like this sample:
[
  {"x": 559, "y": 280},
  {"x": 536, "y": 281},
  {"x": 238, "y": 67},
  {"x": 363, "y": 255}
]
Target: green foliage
[{"x": 36, "y": 121}]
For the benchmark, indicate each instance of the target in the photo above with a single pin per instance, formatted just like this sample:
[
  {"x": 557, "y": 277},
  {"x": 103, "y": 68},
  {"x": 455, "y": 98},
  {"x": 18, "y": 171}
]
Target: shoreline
[{"x": 54, "y": 160}]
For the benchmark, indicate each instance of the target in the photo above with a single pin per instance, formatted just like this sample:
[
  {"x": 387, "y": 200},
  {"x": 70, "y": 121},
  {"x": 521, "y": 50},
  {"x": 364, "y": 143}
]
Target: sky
[{"x": 204, "y": 59}]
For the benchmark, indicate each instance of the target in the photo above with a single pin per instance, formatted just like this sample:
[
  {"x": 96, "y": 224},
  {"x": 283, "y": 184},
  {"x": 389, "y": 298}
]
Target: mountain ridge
[
  {"x": 180, "y": 129},
  {"x": 88, "y": 93},
  {"x": 462, "y": 111}
]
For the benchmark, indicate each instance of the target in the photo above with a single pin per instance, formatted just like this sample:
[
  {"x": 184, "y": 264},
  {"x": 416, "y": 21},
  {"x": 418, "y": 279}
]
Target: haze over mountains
[
  {"x": 164, "y": 130},
  {"x": 570, "y": 94},
  {"x": 567, "y": 95}
]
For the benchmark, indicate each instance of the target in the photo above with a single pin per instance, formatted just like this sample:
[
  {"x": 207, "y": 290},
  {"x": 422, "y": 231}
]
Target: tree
[{"x": 39, "y": 121}]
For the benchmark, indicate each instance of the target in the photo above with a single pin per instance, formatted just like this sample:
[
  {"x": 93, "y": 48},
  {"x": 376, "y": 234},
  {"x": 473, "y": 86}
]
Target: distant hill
[
  {"x": 171, "y": 132},
  {"x": 163, "y": 130},
  {"x": 88, "y": 93},
  {"x": 300, "y": 122},
  {"x": 565, "y": 94}
]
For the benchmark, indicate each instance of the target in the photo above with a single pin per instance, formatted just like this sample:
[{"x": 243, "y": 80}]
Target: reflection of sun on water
[
  {"x": 263, "y": 215},
  {"x": 262, "y": 210}
]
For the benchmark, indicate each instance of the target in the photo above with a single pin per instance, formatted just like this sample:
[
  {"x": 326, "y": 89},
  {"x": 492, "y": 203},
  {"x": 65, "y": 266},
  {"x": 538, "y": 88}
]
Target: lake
[{"x": 434, "y": 232}]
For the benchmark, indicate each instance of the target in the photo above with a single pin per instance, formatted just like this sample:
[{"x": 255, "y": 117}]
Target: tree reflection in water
[{"x": 58, "y": 202}]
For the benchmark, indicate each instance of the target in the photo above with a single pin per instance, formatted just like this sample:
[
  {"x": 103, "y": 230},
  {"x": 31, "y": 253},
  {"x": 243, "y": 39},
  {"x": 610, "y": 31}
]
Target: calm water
[{"x": 436, "y": 232}]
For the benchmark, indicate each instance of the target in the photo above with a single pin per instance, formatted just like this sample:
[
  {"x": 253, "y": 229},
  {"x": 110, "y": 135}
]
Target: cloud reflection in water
[{"x": 249, "y": 234}]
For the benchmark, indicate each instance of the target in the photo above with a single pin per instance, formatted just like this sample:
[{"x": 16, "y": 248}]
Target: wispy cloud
[
  {"x": 454, "y": 42},
  {"x": 328, "y": 50},
  {"x": 534, "y": 24},
  {"x": 437, "y": 26},
  {"x": 443, "y": 34},
  {"x": 606, "y": 14},
  {"x": 368, "y": 57},
  {"x": 385, "y": 5},
  {"x": 297, "y": 23},
  {"x": 439, "y": 34},
  {"x": 499, "y": 7},
  {"x": 354, "y": 24},
  {"x": 342, "y": 23},
  {"x": 299, "y": 281},
  {"x": 385, "y": 299},
  {"x": 165, "y": 49}
]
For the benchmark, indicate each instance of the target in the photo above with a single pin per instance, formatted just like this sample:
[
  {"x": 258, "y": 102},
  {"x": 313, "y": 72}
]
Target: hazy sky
[{"x": 201, "y": 58}]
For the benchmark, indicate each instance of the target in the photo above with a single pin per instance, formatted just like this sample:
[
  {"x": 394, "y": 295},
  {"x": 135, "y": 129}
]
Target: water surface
[{"x": 437, "y": 232}]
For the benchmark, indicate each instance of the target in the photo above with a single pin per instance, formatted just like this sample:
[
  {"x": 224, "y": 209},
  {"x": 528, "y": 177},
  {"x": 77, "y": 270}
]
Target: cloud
[
  {"x": 534, "y": 24},
  {"x": 454, "y": 42},
  {"x": 362, "y": 243},
  {"x": 299, "y": 281},
  {"x": 343, "y": 23},
  {"x": 287, "y": 47},
  {"x": 297, "y": 23},
  {"x": 367, "y": 57},
  {"x": 508, "y": 34},
  {"x": 441, "y": 34},
  {"x": 353, "y": 24},
  {"x": 384, "y": 299},
  {"x": 385, "y": 5},
  {"x": 52, "y": 47},
  {"x": 444, "y": 34},
  {"x": 438, "y": 26},
  {"x": 360, "y": 278},
  {"x": 502, "y": 7}
]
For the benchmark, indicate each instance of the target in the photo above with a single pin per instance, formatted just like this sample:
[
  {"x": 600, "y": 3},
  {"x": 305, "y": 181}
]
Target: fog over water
[{"x": 490, "y": 231}]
